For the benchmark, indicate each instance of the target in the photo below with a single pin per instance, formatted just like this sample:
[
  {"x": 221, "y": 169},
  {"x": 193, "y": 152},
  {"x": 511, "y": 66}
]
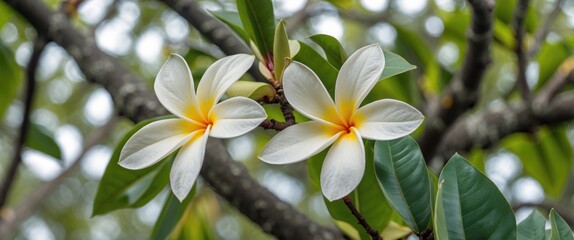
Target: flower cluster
[{"x": 341, "y": 123}]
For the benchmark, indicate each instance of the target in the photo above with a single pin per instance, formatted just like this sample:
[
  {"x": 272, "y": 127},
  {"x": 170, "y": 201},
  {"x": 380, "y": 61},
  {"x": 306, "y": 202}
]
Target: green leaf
[
  {"x": 532, "y": 227},
  {"x": 403, "y": 177},
  {"x": 253, "y": 90},
  {"x": 4, "y": 17},
  {"x": 333, "y": 49},
  {"x": 124, "y": 188},
  {"x": 470, "y": 206},
  {"x": 259, "y": 23},
  {"x": 395, "y": 64},
  {"x": 369, "y": 201},
  {"x": 409, "y": 42},
  {"x": 324, "y": 70},
  {"x": 546, "y": 156},
  {"x": 11, "y": 78},
  {"x": 342, "y": 4},
  {"x": 39, "y": 138},
  {"x": 280, "y": 50},
  {"x": 560, "y": 230},
  {"x": 170, "y": 215},
  {"x": 550, "y": 57},
  {"x": 232, "y": 20}
]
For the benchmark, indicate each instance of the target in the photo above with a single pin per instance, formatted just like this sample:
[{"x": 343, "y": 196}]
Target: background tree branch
[
  {"x": 8, "y": 180},
  {"x": 136, "y": 102},
  {"x": 462, "y": 92}
]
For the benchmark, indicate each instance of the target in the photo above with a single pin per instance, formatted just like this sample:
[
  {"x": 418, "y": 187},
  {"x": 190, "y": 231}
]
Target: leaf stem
[{"x": 371, "y": 231}]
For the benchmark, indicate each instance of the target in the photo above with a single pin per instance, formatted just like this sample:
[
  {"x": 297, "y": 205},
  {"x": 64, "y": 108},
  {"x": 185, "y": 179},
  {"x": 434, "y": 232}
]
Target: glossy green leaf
[
  {"x": 336, "y": 54},
  {"x": 39, "y": 138},
  {"x": 312, "y": 59},
  {"x": 546, "y": 156},
  {"x": 560, "y": 230},
  {"x": 369, "y": 201},
  {"x": 259, "y": 23},
  {"x": 11, "y": 78},
  {"x": 170, "y": 215},
  {"x": 395, "y": 64},
  {"x": 469, "y": 205},
  {"x": 253, "y": 90},
  {"x": 124, "y": 188},
  {"x": 532, "y": 227},
  {"x": 280, "y": 50},
  {"x": 232, "y": 20},
  {"x": 403, "y": 177}
]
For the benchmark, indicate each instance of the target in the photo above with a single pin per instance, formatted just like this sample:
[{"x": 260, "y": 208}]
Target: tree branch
[
  {"x": 227, "y": 177},
  {"x": 39, "y": 45},
  {"x": 462, "y": 92},
  {"x": 486, "y": 128},
  {"x": 31, "y": 203},
  {"x": 521, "y": 58}
]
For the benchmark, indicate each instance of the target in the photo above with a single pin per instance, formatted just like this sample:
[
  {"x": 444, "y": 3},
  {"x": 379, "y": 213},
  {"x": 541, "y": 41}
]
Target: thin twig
[
  {"x": 39, "y": 45},
  {"x": 544, "y": 29},
  {"x": 31, "y": 203},
  {"x": 519, "y": 17},
  {"x": 371, "y": 231}
]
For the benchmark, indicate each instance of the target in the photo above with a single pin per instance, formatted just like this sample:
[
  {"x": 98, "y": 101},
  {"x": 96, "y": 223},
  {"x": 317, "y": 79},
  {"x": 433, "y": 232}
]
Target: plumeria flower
[
  {"x": 340, "y": 123},
  {"x": 199, "y": 116}
]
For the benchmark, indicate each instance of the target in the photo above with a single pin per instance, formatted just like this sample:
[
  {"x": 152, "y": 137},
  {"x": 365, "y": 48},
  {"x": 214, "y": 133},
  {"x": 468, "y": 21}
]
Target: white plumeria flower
[
  {"x": 340, "y": 123},
  {"x": 199, "y": 116}
]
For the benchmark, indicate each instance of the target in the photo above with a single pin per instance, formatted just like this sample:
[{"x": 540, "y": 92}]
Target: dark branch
[
  {"x": 136, "y": 102},
  {"x": 12, "y": 169},
  {"x": 521, "y": 58},
  {"x": 462, "y": 92},
  {"x": 370, "y": 230}
]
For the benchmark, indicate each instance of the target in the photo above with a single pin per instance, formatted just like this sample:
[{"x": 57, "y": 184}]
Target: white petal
[
  {"x": 219, "y": 76},
  {"x": 307, "y": 94},
  {"x": 235, "y": 116},
  {"x": 387, "y": 119},
  {"x": 152, "y": 143},
  {"x": 174, "y": 87},
  {"x": 344, "y": 166},
  {"x": 357, "y": 77},
  {"x": 299, "y": 142},
  {"x": 187, "y": 164}
]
